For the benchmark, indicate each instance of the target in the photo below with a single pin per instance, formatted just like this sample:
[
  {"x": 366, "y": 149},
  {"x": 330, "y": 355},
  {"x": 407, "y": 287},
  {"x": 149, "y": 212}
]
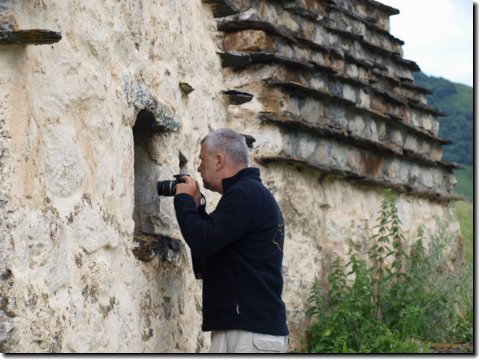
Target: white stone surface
[{"x": 66, "y": 126}]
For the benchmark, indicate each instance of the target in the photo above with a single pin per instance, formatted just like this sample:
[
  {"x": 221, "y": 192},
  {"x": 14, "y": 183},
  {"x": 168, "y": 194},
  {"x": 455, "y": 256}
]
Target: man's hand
[{"x": 190, "y": 187}]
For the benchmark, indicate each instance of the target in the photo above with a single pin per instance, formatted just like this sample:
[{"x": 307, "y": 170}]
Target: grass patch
[
  {"x": 464, "y": 214},
  {"x": 464, "y": 185}
]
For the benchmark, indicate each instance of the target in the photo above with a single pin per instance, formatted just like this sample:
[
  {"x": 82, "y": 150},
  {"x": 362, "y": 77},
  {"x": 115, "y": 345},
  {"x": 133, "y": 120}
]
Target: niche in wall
[
  {"x": 147, "y": 213},
  {"x": 146, "y": 170}
]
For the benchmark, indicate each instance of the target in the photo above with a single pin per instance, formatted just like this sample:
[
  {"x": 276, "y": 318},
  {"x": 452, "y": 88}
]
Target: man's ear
[{"x": 220, "y": 161}]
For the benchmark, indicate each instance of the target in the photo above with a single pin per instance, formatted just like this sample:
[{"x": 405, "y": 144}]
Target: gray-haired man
[{"x": 237, "y": 249}]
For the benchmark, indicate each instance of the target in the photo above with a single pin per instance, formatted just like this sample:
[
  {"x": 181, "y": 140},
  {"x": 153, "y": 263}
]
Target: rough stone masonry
[{"x": 99, "y": 100}]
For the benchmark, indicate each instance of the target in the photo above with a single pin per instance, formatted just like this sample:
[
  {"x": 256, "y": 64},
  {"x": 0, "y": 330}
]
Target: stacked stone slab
[{"x": 333, "y": 80}]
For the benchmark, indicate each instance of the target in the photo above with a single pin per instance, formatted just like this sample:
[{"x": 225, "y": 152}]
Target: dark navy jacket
[{"x": 241, "y": 247}]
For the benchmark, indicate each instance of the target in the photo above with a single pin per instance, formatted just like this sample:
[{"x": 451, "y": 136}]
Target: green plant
[
  {"x": 464, "y": 215},
  {"x": 401, "y": 299}
]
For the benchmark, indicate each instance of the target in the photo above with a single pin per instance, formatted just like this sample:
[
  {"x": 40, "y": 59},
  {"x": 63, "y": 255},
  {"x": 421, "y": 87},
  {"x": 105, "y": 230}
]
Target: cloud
[{"x": 438, "y": 36}]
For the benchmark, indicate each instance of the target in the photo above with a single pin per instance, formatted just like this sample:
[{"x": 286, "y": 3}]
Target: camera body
[{"x": 169, "y": 187}]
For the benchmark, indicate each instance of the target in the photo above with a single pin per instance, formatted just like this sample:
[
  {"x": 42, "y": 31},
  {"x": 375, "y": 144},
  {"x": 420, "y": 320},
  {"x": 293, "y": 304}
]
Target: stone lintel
[
  {"x": 249, "y": 21},
  {"x": 359, "y": 178},
  {"x": 238, "y": 59},
  {"x": 350, "y": 35},
  {"x": 410, "y": 64},
  {"x": 246, "y": 58},
  {"x": 229, "y": 59},
  {"x": 396, "y": 57},
  {"x": 352, "y": 59},
  {"x": 236, "y": 97},
  {"x": 380, "y": 121},
  {"x": 235, "y": 59},
  {"x": 313, "y": 45},
  {"x": 401, "y": 83},
  {"x": 426, "y": 108},
  {"x": 222, "y": 8},
  {"x": 297, "y": 9},
  {"x": 413, "y": 86},
  {"x": 388, "y": 95},
  {"x": 368, "y": 23},
  {"x": 139, "y": 95},
  {"x": 267, "y": 21},
  {"x": 385, "y": 8},
  {"x": 322, "y": 93},
  {"x": 248, "y": 41},
  {"x": 29, "y": 37},
  {"x": 342, "y": 134},
  {"x": 240, "y": 44},
  {"x": 148, "y": 246}
]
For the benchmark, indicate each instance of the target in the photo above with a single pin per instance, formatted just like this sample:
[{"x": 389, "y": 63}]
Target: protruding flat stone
[
  {"x": 236, "y": 97},
  {"x": 147, "y": 246},
  {"x": 157, "y": 115},
  {"x": 222, "y": 8},
  {"x": 29, "y": 37}
]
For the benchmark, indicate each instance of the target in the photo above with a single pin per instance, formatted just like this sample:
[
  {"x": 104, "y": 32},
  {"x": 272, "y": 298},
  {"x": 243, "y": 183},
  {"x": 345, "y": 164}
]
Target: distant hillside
[{"x": 456, "y": 100}]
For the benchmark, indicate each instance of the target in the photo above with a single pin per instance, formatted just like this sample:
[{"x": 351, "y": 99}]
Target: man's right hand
[{"x": 190, "y": 187}]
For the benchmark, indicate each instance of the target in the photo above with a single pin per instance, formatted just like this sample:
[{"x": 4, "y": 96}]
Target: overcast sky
[{"x": 438, "y": 36}]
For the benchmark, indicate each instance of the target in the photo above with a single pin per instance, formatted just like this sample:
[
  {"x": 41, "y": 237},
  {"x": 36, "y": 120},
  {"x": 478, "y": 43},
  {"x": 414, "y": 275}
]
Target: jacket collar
[{"x": 249, "y": 172}]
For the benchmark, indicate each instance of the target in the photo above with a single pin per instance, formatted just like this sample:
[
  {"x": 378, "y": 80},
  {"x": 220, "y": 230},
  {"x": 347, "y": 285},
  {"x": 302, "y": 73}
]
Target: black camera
[{"x": 168, "y": 187}]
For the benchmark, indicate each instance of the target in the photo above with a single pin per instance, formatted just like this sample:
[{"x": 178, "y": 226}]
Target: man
[{"x": 240, "y": 247}]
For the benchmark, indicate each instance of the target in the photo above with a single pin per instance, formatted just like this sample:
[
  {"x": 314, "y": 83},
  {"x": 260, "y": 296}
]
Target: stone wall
[
  {"x": 119, "y": 94},
  {"x": 335, "y": 117},
  {"x": 70, "y": 281}
]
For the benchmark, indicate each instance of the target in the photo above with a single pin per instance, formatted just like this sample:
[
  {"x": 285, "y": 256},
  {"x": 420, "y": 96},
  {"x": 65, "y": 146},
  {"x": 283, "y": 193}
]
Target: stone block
[
  {"x": 29, "y": 37},
  {"x": 248, "y": 40},
  {"x": 147, "y": 246},
  {"x": 65, "y": 165},
  {"x": 138, "y": 95},
  {"x": 222, "y": 8}
]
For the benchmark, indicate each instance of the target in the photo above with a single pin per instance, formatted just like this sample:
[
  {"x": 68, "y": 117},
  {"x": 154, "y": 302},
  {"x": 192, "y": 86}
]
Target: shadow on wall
[
  {"x": 148, "y": 243},
  {"x": 170, "y": 302},
  {"x": 146, "y": 171}
]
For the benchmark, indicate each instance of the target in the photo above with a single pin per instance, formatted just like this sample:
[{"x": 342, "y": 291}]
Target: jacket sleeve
[
  {"x": 230, "y": 221},
  {"x": 198, "y": 263}
]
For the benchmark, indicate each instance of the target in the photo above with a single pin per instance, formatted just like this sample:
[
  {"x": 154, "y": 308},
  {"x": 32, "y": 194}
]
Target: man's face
[{"x": 208, "y": 169}]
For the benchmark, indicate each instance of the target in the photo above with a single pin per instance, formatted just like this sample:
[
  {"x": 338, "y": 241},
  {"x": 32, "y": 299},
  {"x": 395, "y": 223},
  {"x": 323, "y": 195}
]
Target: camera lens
[{"x": 167, "y": 187}]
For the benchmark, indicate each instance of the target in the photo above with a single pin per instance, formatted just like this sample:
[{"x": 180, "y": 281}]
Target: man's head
[{"x": 223, "y": 153}]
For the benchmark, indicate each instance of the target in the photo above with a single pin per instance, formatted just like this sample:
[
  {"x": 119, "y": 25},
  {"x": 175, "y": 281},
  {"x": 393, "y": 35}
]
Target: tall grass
[
  {"x": 399, "y": 300},
  {"x": 464, "y": 215}
]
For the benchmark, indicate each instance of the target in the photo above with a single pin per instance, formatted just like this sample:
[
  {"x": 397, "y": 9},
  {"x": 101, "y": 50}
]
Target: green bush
[{"x": 398, "y": 301}]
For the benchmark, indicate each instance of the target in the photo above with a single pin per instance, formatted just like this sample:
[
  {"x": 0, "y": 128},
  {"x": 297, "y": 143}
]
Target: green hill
[{"x": 456, "y": 100}]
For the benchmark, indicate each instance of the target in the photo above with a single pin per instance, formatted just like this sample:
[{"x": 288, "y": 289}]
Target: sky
[{"x": 438, "y": 36}]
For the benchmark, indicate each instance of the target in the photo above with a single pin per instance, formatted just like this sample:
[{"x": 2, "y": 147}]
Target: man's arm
[
  {"x": 194, "y": 191},
  {"x": 207, "y": 235}
]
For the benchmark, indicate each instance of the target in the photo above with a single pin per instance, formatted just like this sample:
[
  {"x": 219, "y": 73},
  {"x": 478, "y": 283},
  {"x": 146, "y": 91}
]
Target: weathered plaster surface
[{"x": 67, "y": 110}]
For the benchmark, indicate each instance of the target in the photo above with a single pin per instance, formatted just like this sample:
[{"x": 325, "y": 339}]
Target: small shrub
[{"x": 399, "y": 301}]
